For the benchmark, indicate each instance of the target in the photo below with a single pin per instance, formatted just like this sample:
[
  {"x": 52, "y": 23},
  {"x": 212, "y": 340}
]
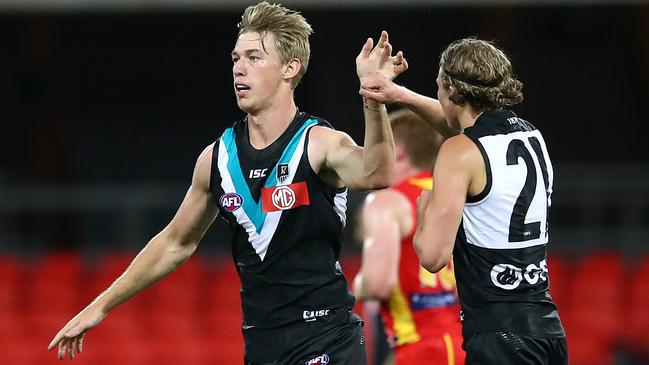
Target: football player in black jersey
[
  {"x": 489, "y": 207},
  {"x": 288, "y": 229}
]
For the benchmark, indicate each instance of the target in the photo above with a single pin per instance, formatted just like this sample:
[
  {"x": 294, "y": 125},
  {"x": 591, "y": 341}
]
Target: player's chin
[{"x": 245, "y": 105}]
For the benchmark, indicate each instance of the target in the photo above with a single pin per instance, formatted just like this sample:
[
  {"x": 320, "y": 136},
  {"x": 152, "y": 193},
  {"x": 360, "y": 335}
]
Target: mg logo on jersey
[
  {"x": 284, "y": 197},
  {"x": 231, "y": 201},
  {"x": 320, "y": 360},
  {"x": 510, "y": 277}
]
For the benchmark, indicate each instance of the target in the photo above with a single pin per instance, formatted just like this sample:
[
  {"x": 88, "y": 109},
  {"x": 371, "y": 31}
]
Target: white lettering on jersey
[
  {"x": 311, "y": 316},
  {"x": 257, "y": 173}
]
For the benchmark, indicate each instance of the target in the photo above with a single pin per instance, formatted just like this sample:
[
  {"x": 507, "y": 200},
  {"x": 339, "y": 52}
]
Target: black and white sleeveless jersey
[
  {"x": 501, "y": 247},
  {"x": 287, "y": 226}
]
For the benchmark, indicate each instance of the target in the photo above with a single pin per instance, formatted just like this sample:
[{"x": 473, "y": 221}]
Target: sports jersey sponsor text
[
  {"x": 284, "y": 197},
  {"x": 320, "y": 360},
  {"x": 257, "y": 173},
  {"x": 311, "y": 316},
  {"x": 510, "y": 277},
  {"x": 231, "y": 201}
]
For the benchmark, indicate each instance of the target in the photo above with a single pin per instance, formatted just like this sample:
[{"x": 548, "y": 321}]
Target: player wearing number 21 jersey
[{"x": 489, "y": 206}]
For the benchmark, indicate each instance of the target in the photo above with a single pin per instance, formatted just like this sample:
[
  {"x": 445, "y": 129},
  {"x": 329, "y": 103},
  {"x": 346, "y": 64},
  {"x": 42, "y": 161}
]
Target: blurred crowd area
[
  {"x": 105, "y": 112},
  {"x": 193, "y": 316}
]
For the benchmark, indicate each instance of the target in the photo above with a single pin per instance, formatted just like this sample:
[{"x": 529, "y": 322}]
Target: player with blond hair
[{"x": 279, "y": 176}]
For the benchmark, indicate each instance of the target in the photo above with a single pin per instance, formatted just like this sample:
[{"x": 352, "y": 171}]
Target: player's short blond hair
[
  {"x": 481, "y": 75},
  {"x": 420, "y": 140},
  {"x": 289, "y": 27}
]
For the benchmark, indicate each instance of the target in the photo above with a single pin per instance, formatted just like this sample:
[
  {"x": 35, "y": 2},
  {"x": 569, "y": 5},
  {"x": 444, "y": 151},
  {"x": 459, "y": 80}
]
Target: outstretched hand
[
  {"x": 376, "y": 68},
  {"x": 379, "y": 59},
  {"x": 70, "y": 337}
]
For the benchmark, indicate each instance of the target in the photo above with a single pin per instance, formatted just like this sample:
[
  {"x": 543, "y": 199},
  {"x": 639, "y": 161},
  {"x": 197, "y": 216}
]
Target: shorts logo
[
  {"x": 231, "y": 201},
  {"x": 509, "y": 277},
  {"x": 311, "y": 316},
  {"x": 282, "y": 172},
  {"x": 284, "y": 197},
  {"x": 320, "y": 360}
]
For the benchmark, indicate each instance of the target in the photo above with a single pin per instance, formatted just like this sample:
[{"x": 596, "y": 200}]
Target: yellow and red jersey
[{"x": 422, "y": 305}]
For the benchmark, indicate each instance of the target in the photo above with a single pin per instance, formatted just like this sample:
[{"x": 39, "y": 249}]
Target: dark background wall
[
  {"x": 83, "y": 94},
  {"x": 134, "y": 97}
]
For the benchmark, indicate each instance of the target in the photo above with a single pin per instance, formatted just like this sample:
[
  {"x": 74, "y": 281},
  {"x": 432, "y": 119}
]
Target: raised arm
[
  {"x": 338, "y": 159},
  {"x": 379, "y": 87},
  {"x": 163, "y": 254},
  {"x": 386, "y": 217}
]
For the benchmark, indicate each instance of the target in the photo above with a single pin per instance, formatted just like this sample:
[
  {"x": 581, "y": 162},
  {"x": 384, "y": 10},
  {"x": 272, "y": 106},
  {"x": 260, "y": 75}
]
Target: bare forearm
[
  {"x": 157, "y": 259},
  {"x": 433, "y": 246},
  {"x": 378, "y": 149},
  {"x": 428, "y": 109}
]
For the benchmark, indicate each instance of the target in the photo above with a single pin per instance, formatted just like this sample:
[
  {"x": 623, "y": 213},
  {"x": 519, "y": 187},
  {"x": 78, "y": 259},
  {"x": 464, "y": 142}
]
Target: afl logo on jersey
[
  {"x": 283, "y": 197},
  {"x": 320, "y": 360},
  {"x": 231, "y": 201}
]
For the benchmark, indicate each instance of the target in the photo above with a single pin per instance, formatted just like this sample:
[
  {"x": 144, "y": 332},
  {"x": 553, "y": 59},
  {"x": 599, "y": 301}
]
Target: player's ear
[{"x": 291, "y": 69}]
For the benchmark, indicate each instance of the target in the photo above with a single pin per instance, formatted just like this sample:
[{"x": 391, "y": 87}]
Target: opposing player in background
[
  {"x": 279, "y": 177},
  {"x": 420, "y": 311},
  {"x": 489, "y": 207}
]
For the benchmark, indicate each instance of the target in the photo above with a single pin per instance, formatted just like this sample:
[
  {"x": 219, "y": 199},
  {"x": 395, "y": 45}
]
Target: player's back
[
  {"x": 423, "y": 304},
  {"x": 501, "y": 248}
]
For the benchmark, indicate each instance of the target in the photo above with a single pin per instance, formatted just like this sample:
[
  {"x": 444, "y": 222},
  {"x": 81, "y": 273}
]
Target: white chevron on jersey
[
  {"x": 259, "y": 241},
  {"x": 486, "y": 222}
]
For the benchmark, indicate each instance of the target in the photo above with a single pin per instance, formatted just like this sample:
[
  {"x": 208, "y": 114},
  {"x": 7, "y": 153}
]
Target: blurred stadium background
[{"x": 106, "y": 104}]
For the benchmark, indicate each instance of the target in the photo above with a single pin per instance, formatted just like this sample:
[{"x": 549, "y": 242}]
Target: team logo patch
[
  {"x": 320, "y": 360},
  {"x": 282, "y": 172},
  {"x": 284, "y": 197},
  {"x": 231, "y": 201}
]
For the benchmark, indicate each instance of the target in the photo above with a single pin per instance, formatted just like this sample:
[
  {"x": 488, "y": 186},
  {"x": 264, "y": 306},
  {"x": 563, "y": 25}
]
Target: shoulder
[
  {"x": 326, "y": 135},
  {"x": 459, "y": 154},
  {"x": 458, "y": 148},
  {"x": 387, "y": 201},
  {"x": 203, "y": 167}
]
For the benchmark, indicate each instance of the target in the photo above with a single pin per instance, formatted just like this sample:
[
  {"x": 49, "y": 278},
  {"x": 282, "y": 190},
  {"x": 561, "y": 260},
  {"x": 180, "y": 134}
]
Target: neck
[
  {"x": 403, "y": 171},
  {"x": 265, "y": 126},
  {"x": 467, "y": 117}
]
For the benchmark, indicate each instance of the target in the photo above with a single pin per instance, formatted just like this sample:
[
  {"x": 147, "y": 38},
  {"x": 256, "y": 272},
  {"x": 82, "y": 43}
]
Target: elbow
[
  {"x": 433, "y": 265},
  {"x": 379, "y": 180},
  {"x": 429, "y": 258}
]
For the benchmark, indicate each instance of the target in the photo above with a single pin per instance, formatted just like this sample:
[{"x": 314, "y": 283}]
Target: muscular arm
[
  {"x": 173, "y": 245},
  {"x": 163, "y": 254},
  {"x": 341, "y": 162},
  {"x": 384, "y": 90},
  {"x": 386, "y": 218},
  {"x": 338, "y": 159},
  {"x": 440, "y": 211}
]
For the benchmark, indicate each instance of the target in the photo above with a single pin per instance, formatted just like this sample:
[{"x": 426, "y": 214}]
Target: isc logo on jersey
[
  {"x": 284, "y": 197},
  {"x": 311, "y": 316},
  {"x": 320, "y": 360},
  {"x": 231, "y": 201}
]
